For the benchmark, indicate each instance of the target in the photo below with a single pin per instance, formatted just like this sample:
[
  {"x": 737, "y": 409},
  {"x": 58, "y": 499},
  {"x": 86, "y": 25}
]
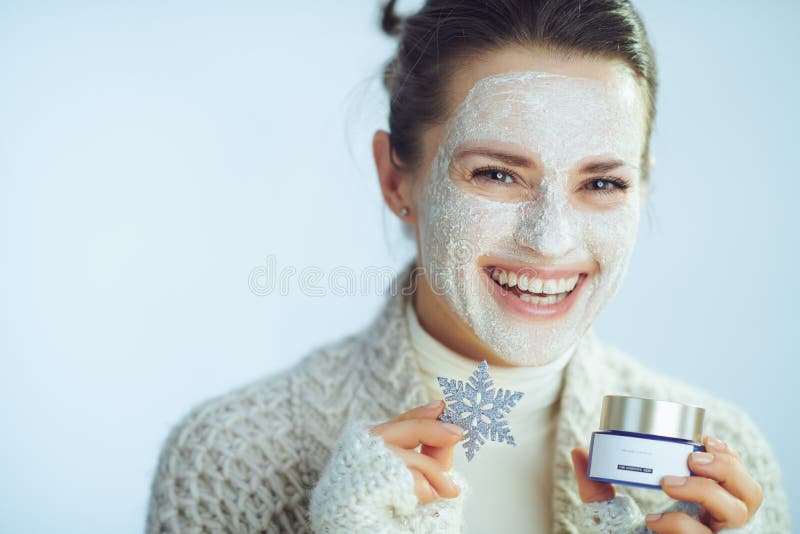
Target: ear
[{"x": 395, "y": 183}]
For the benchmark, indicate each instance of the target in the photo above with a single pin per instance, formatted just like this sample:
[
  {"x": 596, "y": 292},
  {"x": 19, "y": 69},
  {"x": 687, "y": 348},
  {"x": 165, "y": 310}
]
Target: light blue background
[{"x": 153, "y": 154}]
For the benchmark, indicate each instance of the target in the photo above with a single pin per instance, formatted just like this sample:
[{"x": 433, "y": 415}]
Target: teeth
[
  {"x": 535, "y": 285},
  {"x": 550, "y": 299},
  {"x": 550, "y": 286},
  {"x": 512, "y": 279},
  {"x": 522, "y": 283},
  {"x": 553, "y": 287}
]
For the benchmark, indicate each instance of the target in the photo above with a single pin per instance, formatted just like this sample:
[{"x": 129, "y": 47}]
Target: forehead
[{"x": 559, "y": 118}]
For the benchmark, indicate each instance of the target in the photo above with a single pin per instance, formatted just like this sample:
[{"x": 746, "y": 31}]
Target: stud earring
[{"x": 403, "y": 211}]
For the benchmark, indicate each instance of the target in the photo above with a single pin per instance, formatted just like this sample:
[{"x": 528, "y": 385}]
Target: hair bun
[{"x": 390, "y": 22}]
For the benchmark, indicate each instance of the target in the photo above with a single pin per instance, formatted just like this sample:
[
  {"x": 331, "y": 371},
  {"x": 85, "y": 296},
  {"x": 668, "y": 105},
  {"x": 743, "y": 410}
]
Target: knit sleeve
[
  {"x": 744, "y": 436},
  {"x": 622, "y": 515},
  {"x": 366, "y": 487},
  {"x": 231, "y": 465}
]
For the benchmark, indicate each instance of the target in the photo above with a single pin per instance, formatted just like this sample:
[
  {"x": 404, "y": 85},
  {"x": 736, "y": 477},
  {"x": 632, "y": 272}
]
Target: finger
[
  {"x": 730, "y": 474},
  {"x": 714, "y": 444},
  {"x": 443, "y": 455},
  {"x": 431, "y": 469},
  {"x": 430, "y": 410},
  {"x": 422, "y": 488},
  {"x": 675, "y": 523},
  {"x": 724, "y": 510},
  {"x": 410, "y": 433},
  {"x": 590, "y": 490}
]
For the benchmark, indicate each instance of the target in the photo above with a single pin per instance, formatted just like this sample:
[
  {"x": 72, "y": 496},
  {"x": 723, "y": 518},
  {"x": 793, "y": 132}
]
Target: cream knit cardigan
[{"x": 291, "y": 452}]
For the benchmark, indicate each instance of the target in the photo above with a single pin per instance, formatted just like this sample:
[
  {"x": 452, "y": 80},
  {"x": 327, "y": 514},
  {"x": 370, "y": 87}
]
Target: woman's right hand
[{"x": 431, "y": 464}]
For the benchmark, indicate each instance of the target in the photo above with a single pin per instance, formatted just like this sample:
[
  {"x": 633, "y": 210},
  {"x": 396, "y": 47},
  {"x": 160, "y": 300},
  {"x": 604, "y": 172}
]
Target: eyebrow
[
  {"x": 505, "y": 157},
  {"x": 521, "y": 161},
  {"x": 604, "y": 166}
]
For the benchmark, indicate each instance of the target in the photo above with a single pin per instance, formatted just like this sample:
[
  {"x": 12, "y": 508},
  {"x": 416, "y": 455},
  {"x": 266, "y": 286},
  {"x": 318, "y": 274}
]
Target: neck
[{"x": 442, "y": 324}]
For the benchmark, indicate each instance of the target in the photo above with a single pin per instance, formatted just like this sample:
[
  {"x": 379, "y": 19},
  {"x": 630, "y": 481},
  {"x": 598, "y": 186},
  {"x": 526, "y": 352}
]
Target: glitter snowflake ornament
[{"x": 479, "y": 408}]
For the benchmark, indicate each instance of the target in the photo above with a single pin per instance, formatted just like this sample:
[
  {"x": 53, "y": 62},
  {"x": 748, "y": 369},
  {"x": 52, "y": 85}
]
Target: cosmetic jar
[{"x": 642, "y": 440}]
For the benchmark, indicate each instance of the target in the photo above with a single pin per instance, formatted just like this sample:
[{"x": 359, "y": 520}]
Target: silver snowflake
[{"x": 479, "y": 408}]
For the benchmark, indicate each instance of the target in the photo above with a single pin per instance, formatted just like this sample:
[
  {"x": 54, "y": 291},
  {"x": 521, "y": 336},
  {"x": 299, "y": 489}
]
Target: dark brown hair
[{"x": 443, "y": 33}]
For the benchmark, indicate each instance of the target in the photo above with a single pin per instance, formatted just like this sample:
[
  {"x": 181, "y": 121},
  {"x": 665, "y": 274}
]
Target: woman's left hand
[{"x": 722, "y": 485}]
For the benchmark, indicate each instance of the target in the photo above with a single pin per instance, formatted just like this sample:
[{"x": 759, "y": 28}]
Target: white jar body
[{"x": 639, "y": 460}]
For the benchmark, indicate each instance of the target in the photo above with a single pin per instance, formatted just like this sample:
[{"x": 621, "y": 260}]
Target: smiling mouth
[{"x": 529, "y": 288}]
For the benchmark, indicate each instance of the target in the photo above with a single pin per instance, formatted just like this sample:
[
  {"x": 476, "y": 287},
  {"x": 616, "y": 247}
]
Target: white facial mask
[{"x": 563, "y": 120}]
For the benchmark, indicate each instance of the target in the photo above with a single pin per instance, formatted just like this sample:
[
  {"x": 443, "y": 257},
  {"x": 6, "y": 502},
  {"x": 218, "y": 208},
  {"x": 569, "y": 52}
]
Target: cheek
[
  {"x": 466, "y": 220},
  {"x": 610, "y": 236},
  {"x": 491, "y": 222}
]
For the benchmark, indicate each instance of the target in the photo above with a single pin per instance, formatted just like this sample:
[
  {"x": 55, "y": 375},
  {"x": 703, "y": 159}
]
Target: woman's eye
[
  {"x": 495, "y": 175},
  {"x": 606, "y": 185}
]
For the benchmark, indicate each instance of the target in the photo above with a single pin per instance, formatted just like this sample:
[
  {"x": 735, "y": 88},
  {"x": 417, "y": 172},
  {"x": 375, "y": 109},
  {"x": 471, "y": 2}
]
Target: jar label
[{"x": 635, "y": 460}]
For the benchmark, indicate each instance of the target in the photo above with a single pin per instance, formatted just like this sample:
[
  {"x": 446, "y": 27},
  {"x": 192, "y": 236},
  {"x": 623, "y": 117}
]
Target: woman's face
[{"x": 528, "y": 205}]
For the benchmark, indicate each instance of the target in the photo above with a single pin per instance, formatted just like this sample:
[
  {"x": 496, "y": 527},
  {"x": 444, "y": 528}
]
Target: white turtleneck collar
[
  {"x": 515, "y": 482},
  {"x": 541, "y": 385}
]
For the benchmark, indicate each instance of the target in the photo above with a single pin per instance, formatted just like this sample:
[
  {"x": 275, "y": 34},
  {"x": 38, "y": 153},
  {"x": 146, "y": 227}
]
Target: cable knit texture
[
  {"x": 291, "y": 452},
  {"x": 621, "y": 515},
  {"x": 367, "y": 488}
]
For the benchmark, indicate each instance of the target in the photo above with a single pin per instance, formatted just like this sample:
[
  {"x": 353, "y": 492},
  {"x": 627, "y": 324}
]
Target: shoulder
[
  {"x": 238, "y": 460},
  {"x": 226, "y": 464},
  {"x": 628, "y": 376},
  {"x": 723, "y": 419}
]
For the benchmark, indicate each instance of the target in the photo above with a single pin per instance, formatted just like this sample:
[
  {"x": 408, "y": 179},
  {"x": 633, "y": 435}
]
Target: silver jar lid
[{"x": 649, "y": 416}]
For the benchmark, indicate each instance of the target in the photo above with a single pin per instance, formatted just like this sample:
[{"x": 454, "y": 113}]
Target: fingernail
[
  {"x": 670, "y": 480},
  {"x": 653, "y": 517},
  {"x": 456, "y": 429},
  {"x": 432, "y": 404},
  {"x": 714, "y": 443},
  {"x": 702, "y": 457}
]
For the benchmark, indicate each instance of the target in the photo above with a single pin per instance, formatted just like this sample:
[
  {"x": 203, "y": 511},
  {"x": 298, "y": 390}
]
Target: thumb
[{"x": 590, "y": 490}]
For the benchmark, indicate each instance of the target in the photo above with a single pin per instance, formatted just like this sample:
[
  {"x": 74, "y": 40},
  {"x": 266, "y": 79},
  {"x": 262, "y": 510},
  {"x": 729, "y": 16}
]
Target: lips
[
  {"x": 555, "y": 295},
  {"x": 529, "y": 281}
]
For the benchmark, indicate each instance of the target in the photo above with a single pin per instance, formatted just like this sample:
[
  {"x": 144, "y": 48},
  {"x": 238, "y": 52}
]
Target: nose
[{"x": 546, "y": 225}]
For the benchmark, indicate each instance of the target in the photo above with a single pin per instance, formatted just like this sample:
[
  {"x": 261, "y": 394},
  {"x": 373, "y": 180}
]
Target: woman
[{"x": 518, "y": 156}]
